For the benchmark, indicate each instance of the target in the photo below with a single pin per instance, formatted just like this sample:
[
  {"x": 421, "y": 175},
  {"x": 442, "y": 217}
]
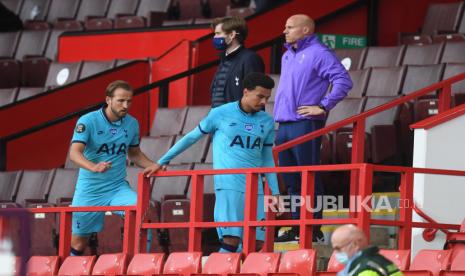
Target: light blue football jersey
[
  {"x": 240, "y": 140},
  {"x": 105, "y": 141}
]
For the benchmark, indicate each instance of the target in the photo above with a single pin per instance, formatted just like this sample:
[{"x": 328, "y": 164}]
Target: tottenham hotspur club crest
[
  {"x": 248, "y": 127},
  {"x": 237, "y": 81}
]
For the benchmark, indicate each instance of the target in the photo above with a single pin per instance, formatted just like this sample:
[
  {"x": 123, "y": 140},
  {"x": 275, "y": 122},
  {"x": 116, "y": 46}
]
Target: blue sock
[
  {"x": 227, "y": 248},
  {"x": 74, "y": 252},
  {"x": 149, "y": 239}
]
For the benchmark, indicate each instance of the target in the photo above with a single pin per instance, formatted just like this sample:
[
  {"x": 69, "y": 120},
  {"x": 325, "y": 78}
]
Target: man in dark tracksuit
[
  {"x": 352, "y": 250},
  {"x": 236, "y": 60}
]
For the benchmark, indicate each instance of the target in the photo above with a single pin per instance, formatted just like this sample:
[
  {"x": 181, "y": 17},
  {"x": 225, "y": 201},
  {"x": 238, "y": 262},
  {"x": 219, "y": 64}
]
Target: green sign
[{"x": 334, "y": 41}]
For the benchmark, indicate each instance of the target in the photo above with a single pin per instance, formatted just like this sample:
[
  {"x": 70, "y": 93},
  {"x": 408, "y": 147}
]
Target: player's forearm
[
  {"x": 181, "y": 146},
  {"x": 79, "y": 159},
  {"x": 141, "y": 160},
  {"x": 271, "y": 178}
]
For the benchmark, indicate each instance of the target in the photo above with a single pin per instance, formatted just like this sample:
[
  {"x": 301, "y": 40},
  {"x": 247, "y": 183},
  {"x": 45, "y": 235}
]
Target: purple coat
[{"x": 305, "y": 77}]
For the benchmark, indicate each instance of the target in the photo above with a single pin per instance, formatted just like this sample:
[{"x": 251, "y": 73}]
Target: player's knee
[
  {"x": 231, "y": 240},
  {"x": 79, "y": 243}
]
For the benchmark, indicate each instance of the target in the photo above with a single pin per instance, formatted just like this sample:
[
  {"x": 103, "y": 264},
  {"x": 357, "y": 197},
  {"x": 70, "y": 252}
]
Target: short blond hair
[{"x": 109, "y": 92}]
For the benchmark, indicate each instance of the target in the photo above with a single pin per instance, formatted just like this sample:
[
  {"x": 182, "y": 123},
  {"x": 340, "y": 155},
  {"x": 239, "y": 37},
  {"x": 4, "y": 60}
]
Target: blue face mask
[
  {"x": 342, "y": 257},
  {"x": 220, "y": 43}
]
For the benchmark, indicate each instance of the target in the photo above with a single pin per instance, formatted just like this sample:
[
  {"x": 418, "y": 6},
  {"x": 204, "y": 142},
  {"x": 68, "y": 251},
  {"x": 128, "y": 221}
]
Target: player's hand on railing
[
  {"x": 101, "y": 167},
  {"x": 310, "y": 110},
  {"x": 153, "y": 169},
  {"x": 278, "y": 205}
]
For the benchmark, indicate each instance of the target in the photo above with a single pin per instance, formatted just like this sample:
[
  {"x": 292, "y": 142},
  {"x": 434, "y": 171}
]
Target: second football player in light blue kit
[
  {"x": 101, "y": 142},
  {"x": 243, "y": 136}
]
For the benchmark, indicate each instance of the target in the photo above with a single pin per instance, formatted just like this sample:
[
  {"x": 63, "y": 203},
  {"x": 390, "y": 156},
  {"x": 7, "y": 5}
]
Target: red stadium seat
[
  {"x": 110, "y": 264},
  {"x": 183, "y": 263},
  {"x": 431, "y": 260},
  {"x": 168, "y": 121},
  {"x": 92, "y": 8},
  {"x": 457, "y": 260},
  {"x": 10, "y": 70},
  {"x": 77, "y": 265},
  {"x": 8, "y": 44},
  {"x": 221, "y": 264},
  {"x": 452, "y": 273},
  {"x": 146, "y": 264},
  {"x": 297, "y": 262},
  {"x": 384, "y": 56},
  {"x": 401, "y": 258},
  {"x": 7, "y": 96},
  {"x": 334, "y": 265},
  {"x": 42, "y": 265},
  {"x": 260, "y": 264}
]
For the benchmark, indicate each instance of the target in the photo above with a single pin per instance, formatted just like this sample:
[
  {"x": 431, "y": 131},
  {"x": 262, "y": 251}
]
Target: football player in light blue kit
[
  {"x": 102, "y": 139},
  {"x": 243, "y": 137}
]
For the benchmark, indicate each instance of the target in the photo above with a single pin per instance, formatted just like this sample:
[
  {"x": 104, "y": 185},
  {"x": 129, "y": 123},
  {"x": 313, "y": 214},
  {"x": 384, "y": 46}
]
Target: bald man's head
[
  {"x": 297, "y": 27},
  {"x": 348, "y": 239}
]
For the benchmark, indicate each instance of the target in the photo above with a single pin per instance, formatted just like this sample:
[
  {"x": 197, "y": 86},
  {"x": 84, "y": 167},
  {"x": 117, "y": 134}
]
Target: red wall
[
  {"x": 401, "y": 16},
  {"x": 125, "y": 45}
]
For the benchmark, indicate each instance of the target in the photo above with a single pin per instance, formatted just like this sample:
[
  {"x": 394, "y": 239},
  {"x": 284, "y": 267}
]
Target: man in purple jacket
[{"x": 308, "y": 67}]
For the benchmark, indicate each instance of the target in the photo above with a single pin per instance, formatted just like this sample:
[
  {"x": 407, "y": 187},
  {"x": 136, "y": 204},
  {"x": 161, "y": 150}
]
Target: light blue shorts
[
  {"x": 229, "y": 206},
  {"x": 86, "y": 223}
]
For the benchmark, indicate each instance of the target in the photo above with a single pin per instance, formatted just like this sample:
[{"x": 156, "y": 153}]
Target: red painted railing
[{"x": 135, "y": 226}]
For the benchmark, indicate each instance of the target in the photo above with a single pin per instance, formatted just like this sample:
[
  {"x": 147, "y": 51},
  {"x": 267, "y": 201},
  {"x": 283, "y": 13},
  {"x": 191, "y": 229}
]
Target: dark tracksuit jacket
[{"x": 227, "y": 83}]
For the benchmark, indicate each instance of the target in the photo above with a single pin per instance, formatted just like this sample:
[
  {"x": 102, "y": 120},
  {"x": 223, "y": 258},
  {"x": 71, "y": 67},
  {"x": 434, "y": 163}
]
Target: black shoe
[
  {"x": 318, "y": 237},
  {"x": 288, "y": 236}
]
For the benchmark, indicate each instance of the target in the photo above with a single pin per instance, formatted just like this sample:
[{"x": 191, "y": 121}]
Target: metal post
[
  {"x": 250, "y": 213},
  {"x": 444, "y": 98},
  {"x": 163, "y": 94},
  {"x": 143, "y": 197},
  {"x": 196, "y": 214},
  {"x": 64, "y": 246},
  {"x": 2, "y": 155},
  {"x": 308, "y": 193},
  {"x": 358, "y": 156},
  {"x": 128, "y": 239},
  {"x": 405, "y": 210},
  {"x": 366, "y": 192}
]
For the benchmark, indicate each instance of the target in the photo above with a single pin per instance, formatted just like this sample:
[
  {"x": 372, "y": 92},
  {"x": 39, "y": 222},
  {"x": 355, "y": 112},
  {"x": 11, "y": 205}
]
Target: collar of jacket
[
  {"x": 232, "y": 54},
  {"x": 302, "y": 43},
  {"x": 370, "y": 251}
]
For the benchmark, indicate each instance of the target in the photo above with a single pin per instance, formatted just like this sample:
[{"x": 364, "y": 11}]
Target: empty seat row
[
  {"x": 295, "y": 262},
  {"x": 361, "y": 58},
  {"x": 440, "y": 18},
  {"x": 55, "y": 10},
  {"x": 37, "y": 75},
  {"x": 109, "y": 14},
  {"x": 22, "y": 44},
  {"x": 403, "y": 80},
  {"x": 430, "y": 39}
]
